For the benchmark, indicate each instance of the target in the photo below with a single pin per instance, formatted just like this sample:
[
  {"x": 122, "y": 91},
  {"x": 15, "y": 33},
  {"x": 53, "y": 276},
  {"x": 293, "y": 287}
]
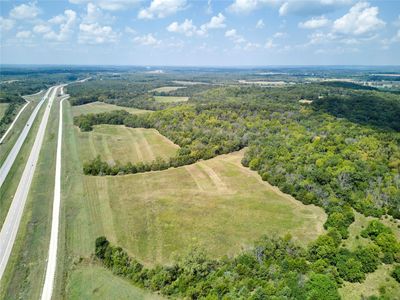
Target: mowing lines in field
[
  {"x": 146, "y": 145},
  {"x": 11, "y": 224},
  {"x": 219, "y": 184},
  {"x": 52, "y": 259}
]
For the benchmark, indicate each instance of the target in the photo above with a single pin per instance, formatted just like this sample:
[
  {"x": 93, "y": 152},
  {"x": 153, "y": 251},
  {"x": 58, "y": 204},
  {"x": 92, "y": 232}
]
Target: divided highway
[
  {"x": 11, "y": 224},
  {"x": 8, "y": 163}
]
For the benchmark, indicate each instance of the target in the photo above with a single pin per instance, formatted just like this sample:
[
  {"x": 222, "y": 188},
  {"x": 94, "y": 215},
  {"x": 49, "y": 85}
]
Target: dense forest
[{"x": 276, "y": 268}]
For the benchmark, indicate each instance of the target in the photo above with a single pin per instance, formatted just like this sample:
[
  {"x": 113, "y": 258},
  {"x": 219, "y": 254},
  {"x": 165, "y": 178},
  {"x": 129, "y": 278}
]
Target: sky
[{"x": 200, "y": 33}]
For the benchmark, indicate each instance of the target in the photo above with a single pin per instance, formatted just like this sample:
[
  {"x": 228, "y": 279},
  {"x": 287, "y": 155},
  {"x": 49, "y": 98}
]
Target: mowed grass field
[
  {"x": 167, "y": 89},
  {"x": 3, "y": 107},
  {"x": 99, "y": 283},
  {"x": 100, "y": 107},
  {"x": 170, "y": 99},
  {"x": 123, "y": 144},
  {"x": 217, "y": 205}
]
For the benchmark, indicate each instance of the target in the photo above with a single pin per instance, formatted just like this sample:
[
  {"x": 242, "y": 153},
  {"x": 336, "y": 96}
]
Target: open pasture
[
  {"x": 167, "y": 89},
  {"x": 376, "y": 283},
  {"x": 3, "y": 108},
  {"x": 100, "y": 107},
  {"x": 170, "y": 99},
  {"x": 123, "y": 144},
  {"x": 95, "y": 282},
  {"x": 216, "y": 204}
]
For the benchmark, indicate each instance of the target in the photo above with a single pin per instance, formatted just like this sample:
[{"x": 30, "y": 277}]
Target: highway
[
  {"x": 11, "y": 224},
  {"x": 53, "y": 246},
  {"x": 8, "y": 163}
]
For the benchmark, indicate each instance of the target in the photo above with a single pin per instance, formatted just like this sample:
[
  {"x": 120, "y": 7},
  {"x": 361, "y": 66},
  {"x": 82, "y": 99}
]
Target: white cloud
[
  {"x": 234, "y": 36},
  {"x": 41, "y": 28},
  {"x": 96, "y": 34},
  {"x": 25, "y": 11},
  {"x": 279, "y": 35},
  {"x": 94, "y": 14},
  {"x": 187, "y": 28},
  {"x": 251, "y": 46},
  {"x": 361, "y": 19},
  {"x": 147, "y": 40},
  {"x": 66, "y": 23},
  {"x": 314, "y": 23},
  {"x": 209, "y": 8},
  {"x": 246, "y": 6},
  {"x": 130, "y": 30},
  {"x": 161, "y": 9},
  {"x": 260, "y": 24},
  {"x": 215, "y": 22},
  {"x": 6, "y": 24},
  {"x": 311, "y": 7},
  {"x": 25, "y": 34},
  {"x": 270, "y": 44},
  {"x": 111, "y": 5}
]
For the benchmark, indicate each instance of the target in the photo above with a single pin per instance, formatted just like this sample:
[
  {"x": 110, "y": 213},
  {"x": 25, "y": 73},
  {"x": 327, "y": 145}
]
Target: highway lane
[
  {"x": 8, "y": 163},
  {"x": 11, "y": 224},
  {"x": 53, "y": 246}
]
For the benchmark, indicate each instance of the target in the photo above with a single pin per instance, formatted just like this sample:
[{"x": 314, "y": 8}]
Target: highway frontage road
[{"x": 53, "y": 246}]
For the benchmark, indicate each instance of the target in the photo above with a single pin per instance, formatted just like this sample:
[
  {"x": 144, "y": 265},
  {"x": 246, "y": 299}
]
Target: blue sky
[{"x": 211, "y": 33}]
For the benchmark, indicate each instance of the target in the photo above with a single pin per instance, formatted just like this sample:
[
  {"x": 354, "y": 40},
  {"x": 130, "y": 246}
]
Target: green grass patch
[
  {"x": 361, "y": 222},
  {"x": 3, "y": 108},
  {"x": 119, "y": 143},
  {"x": 170, "y": 99},
  {"x": 167, "y": 89},
  {"x": 97, "y": 283},
  {"x": 100, "y": 107},
  {"x": 81, "y": 222},
  {"x": 217, "y": 205},
  {"x": 378, "y": 283}
]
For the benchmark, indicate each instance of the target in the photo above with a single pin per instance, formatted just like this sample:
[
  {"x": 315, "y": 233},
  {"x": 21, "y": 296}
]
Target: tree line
[{"x": 274, "y": 268}]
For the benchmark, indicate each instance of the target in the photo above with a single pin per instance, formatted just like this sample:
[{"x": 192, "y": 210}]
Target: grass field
[
  {"x": 381, "y": 277},
  {"x": 355, "y": 239},
  {"x": 216, "y": 204},
  {"x": 167, "y": 89},
  {"x": 99, "y": 283},
  {"x": 378, "y": 283},
  {"x": 3, "y": 107},
  {"x": 80, "y": 225},
  {"x": 123, "y": 144},
  {"x": 100, "y": 107},
  {"x": 170, "y": 99}
]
